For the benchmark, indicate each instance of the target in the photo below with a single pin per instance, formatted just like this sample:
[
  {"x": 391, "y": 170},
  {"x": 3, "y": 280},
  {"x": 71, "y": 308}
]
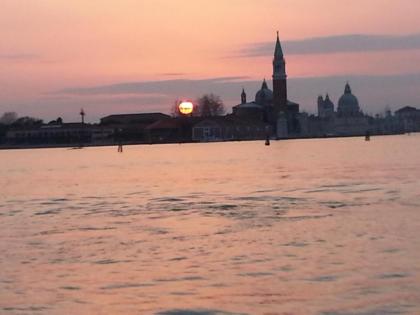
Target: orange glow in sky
[{"x": 51, "y": 45}]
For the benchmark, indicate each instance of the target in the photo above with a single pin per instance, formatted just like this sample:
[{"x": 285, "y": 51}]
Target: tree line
[
  {"x": 12, "y": 120},
  {"x": 208, "y": 105}
]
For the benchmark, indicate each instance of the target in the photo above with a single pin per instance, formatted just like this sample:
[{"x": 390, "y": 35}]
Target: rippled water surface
[{"x": 328, "y": 227}]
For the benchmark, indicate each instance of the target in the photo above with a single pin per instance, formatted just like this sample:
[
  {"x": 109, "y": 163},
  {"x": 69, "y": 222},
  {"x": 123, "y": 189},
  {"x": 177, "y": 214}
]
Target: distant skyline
[{"x": 129, "y": 56}]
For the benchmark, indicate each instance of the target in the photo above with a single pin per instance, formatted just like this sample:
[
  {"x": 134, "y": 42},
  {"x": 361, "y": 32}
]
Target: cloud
[
  {"x": 336, "y": 44},
  {"x": 375, "y": 93},
  {"x": 182, "y": 87},
  {"x": 19, "y": 57},
  {"x": 173, "y": 74},
  {"x": 196, "y": 312},
  {"x": 110, "y": 99}
]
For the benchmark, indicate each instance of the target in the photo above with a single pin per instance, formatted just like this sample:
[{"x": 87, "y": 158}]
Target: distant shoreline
[{"x": 73, "y": 146}]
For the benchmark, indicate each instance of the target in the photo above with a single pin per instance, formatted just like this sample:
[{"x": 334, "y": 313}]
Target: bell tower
[
  {"x": 243, "y": 96},
  {"x": 279, "y": 80}
]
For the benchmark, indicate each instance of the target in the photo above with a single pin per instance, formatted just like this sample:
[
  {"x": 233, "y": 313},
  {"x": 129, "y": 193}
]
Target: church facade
[
  {"x": 347, "y": 120},
  {"x": 272, "y": 106}
]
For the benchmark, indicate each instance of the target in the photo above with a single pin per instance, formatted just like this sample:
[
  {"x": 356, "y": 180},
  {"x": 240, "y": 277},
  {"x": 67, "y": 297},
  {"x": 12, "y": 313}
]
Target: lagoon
[{"x": 318, "y": 226}]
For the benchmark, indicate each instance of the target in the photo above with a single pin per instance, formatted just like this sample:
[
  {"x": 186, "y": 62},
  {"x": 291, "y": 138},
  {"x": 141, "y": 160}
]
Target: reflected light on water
[{"x": 301, "y": 227}]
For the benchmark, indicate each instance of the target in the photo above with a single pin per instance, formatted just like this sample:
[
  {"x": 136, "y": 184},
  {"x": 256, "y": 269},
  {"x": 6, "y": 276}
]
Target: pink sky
[{"x": 51, "y": 45}]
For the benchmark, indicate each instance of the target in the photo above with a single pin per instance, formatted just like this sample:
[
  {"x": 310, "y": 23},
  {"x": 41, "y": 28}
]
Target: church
[
  {"x": 272, "y": 106},
  {"x": 347, "y": 120},
  {"x": 272, "y": 114}
]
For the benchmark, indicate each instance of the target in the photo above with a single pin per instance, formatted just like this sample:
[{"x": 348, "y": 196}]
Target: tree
[
  {"x": 175, "y": 109},
  {"x": 58, "y": 121},
  {"x": 8, "y": 118},
  {"x": 210, "y": 105},
  {"x": 27, "y": 122}
]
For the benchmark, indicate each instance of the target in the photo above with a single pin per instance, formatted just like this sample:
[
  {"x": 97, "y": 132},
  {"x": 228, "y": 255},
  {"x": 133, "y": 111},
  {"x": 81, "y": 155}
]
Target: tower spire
[
  {"x": 279, "y": 79},
  {"x": 243, "y": 96},
  {"x": 264, "y": 85},
  {"x": 82, "y": 114},
  {"x": 347, "y": 89},
  {"x": 278, "y": 52}
]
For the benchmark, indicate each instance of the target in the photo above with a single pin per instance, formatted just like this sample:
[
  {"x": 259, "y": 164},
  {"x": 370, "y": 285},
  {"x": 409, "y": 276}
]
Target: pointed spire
[
  {"x": 264, "y": 85},
  {"x": 327, "y": 97},
  {"x": 347, "y": 89},
  {"x": 243, "y": 96},
  {"x": 278, "y": 52},
  {"x": 320, "y": 101},
  {"x": 82, "y": 113}
]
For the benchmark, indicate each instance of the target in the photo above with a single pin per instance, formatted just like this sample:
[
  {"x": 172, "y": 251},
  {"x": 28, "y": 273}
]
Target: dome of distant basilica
[
  {"x": 264, "y": 96},
  {"x": 348, "y": 105}
]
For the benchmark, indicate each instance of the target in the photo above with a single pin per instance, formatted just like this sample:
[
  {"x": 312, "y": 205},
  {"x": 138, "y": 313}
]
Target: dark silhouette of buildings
[
  {"x": 59, "y": 134},
  {"x": 269, "y": 115},
  {"x": 279, "y": 81},
  {"x": 273, "y": 106}
]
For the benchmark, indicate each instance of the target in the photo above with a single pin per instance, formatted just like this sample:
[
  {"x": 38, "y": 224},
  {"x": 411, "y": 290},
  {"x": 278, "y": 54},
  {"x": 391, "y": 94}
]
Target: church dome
[
  {"x": 348, "y": 105},
  {"x": 264, "y": 96}
]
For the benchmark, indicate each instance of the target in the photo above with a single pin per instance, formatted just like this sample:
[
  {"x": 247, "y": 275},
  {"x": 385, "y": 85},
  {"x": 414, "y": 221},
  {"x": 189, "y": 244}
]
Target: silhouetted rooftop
[
  {"x": 133, "y": 118},
  {"x": 406, "y": 109}
]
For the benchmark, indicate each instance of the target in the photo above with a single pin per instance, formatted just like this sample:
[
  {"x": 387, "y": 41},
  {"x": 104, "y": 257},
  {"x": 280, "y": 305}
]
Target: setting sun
[{"x": 186, "y": 107}]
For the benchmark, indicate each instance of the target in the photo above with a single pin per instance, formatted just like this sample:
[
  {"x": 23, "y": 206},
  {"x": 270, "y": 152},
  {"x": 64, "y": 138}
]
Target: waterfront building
[
  {"x": 132, "y": 127},
  {"x": 348, "y": 104},
  {"x": 348, "y": 120},
  {"x": 127, "y": 119},
  {"x": 272, "y": 106},
  {"x": 325, "y": 107},
  {"x": 229, "y": 128},
  {"x": 60, "y": 134},
  {"x": 408, "y": 118}
]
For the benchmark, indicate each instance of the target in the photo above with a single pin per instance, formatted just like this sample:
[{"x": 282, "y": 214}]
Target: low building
[
  {"x": 172, "y": 130},
  {"x": 408, "y": 118},
  {"x": 57, "y": 134},
  {"x": 132, "y": 127},
  {"x": 230, "y": 128},
  {"x": 130, "y": 119}
]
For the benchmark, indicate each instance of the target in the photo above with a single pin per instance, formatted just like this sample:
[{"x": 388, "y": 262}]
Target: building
[
  {"x": 172, "y": 129},
  {"x": 60, "y": 134},
  {"x": 348, "y": 120},
  {"x": 348, "y": 104},
  {"x": 131, "y": 128},
  {"x": 408, "y": 119},
  {"x": 229, "y": 128},
  {"x": 325, "y": 107},
  {"x": 130, "y": 119},
  {"x": 272, "y": 106}
]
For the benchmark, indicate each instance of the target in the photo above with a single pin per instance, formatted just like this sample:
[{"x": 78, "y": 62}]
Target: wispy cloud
[
  {"x": 336, "y": 44},
  {"x": 164, "y": 87},
  {"x": 173, "y": 74},
  {"x": 19, "y": 57},
  {"x": 109, "y": 99},
  {"x": 373, "y": 91},
  {"x": 374, "y": 94}
]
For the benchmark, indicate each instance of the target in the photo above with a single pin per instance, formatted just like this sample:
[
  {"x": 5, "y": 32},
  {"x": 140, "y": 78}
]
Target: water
[{"x": 324, "y": 227}]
